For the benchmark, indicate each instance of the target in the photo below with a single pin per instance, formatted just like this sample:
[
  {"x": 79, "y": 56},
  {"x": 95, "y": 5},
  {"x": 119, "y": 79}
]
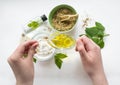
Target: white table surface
[{"x": 14, "y": 13}]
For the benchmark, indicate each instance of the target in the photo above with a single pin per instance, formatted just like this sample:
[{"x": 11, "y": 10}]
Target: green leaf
[
  {"x": 91, "y": 31},
  {"x": 58, "y": 59},
  {"x": 101, "y": 43},
  {"x": 106, "y": 35},
  {"x": 96, "y": 33},
  {"x": 95, "y": 39},
  {"x": 34, "y": 60},
  {"x": 61, "y": 55},
  {"x": 82, "y": 35},
  {"x": 99, "y": 26},
  {"x": 26, "y": 55},
  {"x": 100, "y": 34},
  {"x": 58, "y": 62},
  {"x": 98, "y": 41}
]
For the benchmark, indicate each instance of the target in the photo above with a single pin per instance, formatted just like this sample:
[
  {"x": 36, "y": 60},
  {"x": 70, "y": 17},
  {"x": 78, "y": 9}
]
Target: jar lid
[{"x": 43, "y": 17}]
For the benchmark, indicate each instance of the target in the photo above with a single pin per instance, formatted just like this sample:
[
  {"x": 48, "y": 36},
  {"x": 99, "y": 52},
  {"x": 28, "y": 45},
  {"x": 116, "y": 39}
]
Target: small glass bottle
[{"x": 34, "y": 24}]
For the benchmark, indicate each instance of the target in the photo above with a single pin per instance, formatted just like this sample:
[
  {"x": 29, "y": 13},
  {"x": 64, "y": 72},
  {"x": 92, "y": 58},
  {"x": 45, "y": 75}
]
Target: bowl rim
[{"x": 53, "y": 11}]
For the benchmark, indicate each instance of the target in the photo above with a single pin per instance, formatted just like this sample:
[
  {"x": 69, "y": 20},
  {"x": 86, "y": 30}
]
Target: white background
[{"x": 14, "y": 13}]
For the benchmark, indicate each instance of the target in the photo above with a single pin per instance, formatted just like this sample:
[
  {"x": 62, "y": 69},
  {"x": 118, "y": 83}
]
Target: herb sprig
[
  {"x": 58, "y": 59},
  {"x": 96, "y": 33}
]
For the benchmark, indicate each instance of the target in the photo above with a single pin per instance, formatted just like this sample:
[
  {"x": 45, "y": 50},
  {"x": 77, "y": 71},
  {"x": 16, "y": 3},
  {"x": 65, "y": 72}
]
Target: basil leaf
[
  {"x": 58, "y": 62},
  {"x": 100, "y": 34},
  {"x": 96, "y": 33},
  {"x": 91, "y": 31},
  {"x": 95, "y": 39},
  {"x": 58, "y": 59},
  {"x": 99, "y": 26},
  {"x": 61, "y": 56},
  {"x": 101, "y": 43},
  {"x": 34, "y": 60}
]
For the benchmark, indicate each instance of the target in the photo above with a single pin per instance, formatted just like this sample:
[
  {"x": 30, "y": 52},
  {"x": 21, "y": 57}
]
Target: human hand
[
  {"x": 23, "y": 66},
  {"x": 91, "y": 59}
]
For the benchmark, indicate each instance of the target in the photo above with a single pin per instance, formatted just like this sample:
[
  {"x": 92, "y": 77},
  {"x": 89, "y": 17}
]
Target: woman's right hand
[{"x": 91, "y": 58}]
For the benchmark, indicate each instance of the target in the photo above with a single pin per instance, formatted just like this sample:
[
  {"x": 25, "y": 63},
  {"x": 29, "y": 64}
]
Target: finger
[
  {"x": 80, "y": 47},
  {"x": 76, "y": 47},
  {"x": 29, "y": 43},
  {"x": 31, "y": 51},
  {"x": 20, "y": 51},
  {"x": 88, "y": 43},
  {"x": 25, "y": 46}
]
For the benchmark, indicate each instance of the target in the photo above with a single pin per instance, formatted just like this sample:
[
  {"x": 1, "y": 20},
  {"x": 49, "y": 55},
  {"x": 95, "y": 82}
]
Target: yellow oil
[{"x": 63, "y": 41}]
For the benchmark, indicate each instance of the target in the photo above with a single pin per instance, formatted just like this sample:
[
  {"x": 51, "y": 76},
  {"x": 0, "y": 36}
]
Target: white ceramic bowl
[{"x": 43, "y": 56}]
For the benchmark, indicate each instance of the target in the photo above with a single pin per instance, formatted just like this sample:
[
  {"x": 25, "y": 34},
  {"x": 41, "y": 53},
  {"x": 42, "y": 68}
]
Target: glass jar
[{"x": 34, "y": 23}]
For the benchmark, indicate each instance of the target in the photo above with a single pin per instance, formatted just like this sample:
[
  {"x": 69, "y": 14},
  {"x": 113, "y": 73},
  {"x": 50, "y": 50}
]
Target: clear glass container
[
  {"x": 61, "y": 40},
  {"x": 34, "y": 23}
]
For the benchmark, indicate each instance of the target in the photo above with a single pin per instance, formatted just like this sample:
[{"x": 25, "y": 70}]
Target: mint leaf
[{"x": 58, "y": 59}]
